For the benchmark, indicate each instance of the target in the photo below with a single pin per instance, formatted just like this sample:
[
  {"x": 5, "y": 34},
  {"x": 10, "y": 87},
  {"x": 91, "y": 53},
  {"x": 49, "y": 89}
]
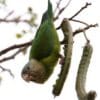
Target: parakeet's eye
[{"x": 27, "y": 69}]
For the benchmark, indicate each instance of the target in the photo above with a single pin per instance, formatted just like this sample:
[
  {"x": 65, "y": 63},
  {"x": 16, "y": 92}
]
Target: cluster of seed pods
[{"x": 83, "y": 66}]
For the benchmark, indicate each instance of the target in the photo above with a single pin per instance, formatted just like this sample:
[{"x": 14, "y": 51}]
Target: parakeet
[{"x": 44, "y": 52}]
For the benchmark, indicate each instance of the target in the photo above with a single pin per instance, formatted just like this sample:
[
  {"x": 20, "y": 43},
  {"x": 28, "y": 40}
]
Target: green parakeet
[{"x": 44, "y": 52}]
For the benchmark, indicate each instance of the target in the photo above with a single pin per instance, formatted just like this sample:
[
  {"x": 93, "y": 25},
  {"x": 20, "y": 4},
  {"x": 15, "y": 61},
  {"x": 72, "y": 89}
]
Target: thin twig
[
  {"x": 15, "y": 20},
  {"x": 61, "y": 10},
  {"x": 86, "y": 37},
  {"x": 57, "y": 6},
  {"x": 84, "y": 29},
  {"x": 68, "y": 3},
  {"x": 9, "y": 14},
  {"x": 77, "y": 13},
  {"x": 15, "y": 47},
  {"x": 8, "y": 70},
  {"x": 11, "y": 56},
  {"x": 79, "y": 21}
]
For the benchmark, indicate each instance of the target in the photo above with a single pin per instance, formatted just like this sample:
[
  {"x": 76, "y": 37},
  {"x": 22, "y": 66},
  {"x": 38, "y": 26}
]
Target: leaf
[{"x": 18, "y": 35}]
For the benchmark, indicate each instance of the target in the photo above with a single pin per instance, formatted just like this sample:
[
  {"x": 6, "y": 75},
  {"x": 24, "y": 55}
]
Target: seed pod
[
  {"x": 82, "y": 72},
  {"x": 68, "y": 43}
]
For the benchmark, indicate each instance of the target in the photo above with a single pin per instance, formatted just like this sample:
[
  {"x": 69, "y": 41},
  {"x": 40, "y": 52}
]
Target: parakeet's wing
[
  {"x": 46, "y": 37},
  {"x": 43, "y": 43}
]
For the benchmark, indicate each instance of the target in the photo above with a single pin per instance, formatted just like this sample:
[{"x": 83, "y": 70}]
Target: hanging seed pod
[
  {"x": 68, "y": 43},
  {"x": 82, "y": 72}
]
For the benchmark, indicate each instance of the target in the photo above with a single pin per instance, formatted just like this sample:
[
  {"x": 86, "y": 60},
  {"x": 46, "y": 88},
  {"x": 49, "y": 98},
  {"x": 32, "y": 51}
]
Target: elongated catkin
[
  {"x": 68, "y": 43},
  {"x": 82, "y": 73}
]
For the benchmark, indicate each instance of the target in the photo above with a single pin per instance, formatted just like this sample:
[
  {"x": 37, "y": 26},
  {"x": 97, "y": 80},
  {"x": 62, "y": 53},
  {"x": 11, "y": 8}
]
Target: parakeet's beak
[{"x": 26, "y": 77}]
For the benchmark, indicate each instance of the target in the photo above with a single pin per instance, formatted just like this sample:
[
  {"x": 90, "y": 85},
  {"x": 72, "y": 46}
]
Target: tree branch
[
  {"x": 57, "y": 6},
  {"x": 18, "y": 19},
  {"x": 9, "y": 14},
  {"x": 15, "y": 47},
  {"x": 11, "y": 57},
  {"x": 84, "y": 29},
  {"x": 26, "y": 44},
  {"x": 8, "y": 70},
  {"x": 61, "y": 10},
  {"x": 15, "y": 20},
  {"x": 77, "y": 13},
  {"x": 80, "y": 22}
]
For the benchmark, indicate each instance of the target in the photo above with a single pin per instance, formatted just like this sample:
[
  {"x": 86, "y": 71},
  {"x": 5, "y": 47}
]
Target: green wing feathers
[{"x": 46, "y": 42}]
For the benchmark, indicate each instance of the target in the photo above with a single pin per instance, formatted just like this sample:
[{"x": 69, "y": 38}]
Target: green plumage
[{"x": 45, "y": 46}]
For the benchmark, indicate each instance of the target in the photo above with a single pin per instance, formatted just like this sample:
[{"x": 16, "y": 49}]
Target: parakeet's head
[{"x": 33, "y": 71}]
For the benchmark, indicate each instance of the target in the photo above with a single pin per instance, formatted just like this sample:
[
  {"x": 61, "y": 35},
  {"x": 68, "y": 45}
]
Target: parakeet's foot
[{"x": 61, "y": 59}]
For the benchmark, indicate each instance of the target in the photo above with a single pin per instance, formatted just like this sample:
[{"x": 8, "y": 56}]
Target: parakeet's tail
[
  {"x": 50, "y": 10},
  {"x": 48, "y": 13}
]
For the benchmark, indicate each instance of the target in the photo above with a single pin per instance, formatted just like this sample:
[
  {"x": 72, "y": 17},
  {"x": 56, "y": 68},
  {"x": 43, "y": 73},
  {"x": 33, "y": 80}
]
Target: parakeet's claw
[{"x": 61, "y": 59}]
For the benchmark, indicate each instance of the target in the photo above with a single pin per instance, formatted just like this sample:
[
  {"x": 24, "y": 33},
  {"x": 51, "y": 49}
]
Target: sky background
[{"x": 17, "y": 88}]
